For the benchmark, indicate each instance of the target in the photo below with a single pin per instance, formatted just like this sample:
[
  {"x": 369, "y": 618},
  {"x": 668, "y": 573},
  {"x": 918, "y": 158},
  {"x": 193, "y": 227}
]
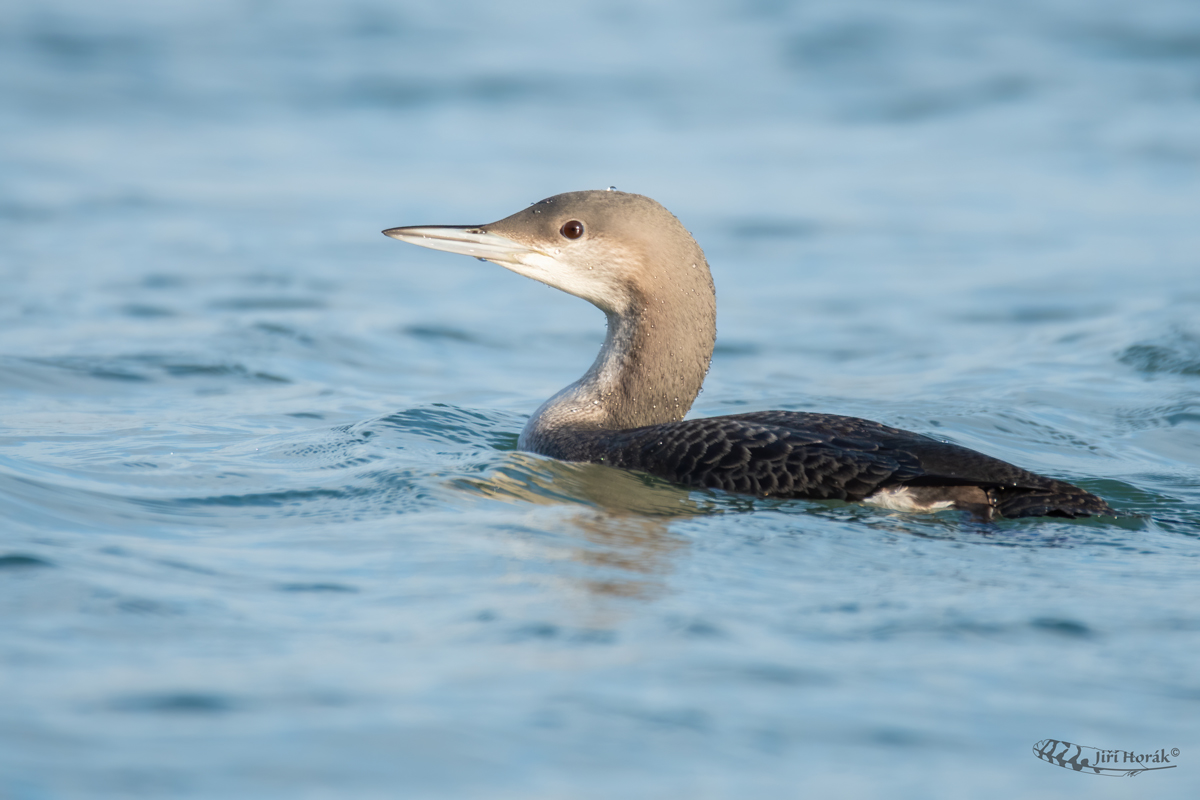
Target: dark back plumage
[{"x": 820, "y": 456}]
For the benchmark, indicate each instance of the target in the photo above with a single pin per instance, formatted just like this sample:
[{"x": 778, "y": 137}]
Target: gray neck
[{"x": 650, "y": 369}]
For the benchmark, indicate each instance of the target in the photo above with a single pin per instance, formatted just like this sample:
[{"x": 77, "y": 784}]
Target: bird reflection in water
[{"x": 621, "y": 521}]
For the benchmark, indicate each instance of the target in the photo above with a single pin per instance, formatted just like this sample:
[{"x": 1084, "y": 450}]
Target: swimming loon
[{"x": 631, "y": 258}]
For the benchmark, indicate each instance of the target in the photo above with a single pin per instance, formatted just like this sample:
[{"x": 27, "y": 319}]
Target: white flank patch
[{"x": 899, "y": 498}]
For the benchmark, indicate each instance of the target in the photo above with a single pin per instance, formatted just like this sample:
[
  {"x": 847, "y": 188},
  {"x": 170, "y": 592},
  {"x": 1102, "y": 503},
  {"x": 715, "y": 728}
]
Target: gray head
[
  {"x": 633, "y": 259},
  {"x": 611, "y": 248}
]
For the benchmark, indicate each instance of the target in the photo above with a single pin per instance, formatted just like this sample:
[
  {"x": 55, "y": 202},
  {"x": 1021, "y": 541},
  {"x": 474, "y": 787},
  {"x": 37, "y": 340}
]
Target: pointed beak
[{"x": 464, "y": 239}]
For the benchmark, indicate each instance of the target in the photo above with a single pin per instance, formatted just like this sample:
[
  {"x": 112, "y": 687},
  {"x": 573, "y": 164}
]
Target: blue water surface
[{"x": 266, "y": 533}]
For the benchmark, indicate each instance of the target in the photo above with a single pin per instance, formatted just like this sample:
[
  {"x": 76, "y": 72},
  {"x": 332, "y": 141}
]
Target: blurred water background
[{"x": 265, "y": 532}]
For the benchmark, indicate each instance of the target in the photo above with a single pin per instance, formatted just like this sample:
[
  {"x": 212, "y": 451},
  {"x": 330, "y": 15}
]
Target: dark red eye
[{"x": 572, "y": 229}]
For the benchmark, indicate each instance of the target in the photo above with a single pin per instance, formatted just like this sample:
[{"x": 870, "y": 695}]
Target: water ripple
[{"x": 1176, "y": 353}]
